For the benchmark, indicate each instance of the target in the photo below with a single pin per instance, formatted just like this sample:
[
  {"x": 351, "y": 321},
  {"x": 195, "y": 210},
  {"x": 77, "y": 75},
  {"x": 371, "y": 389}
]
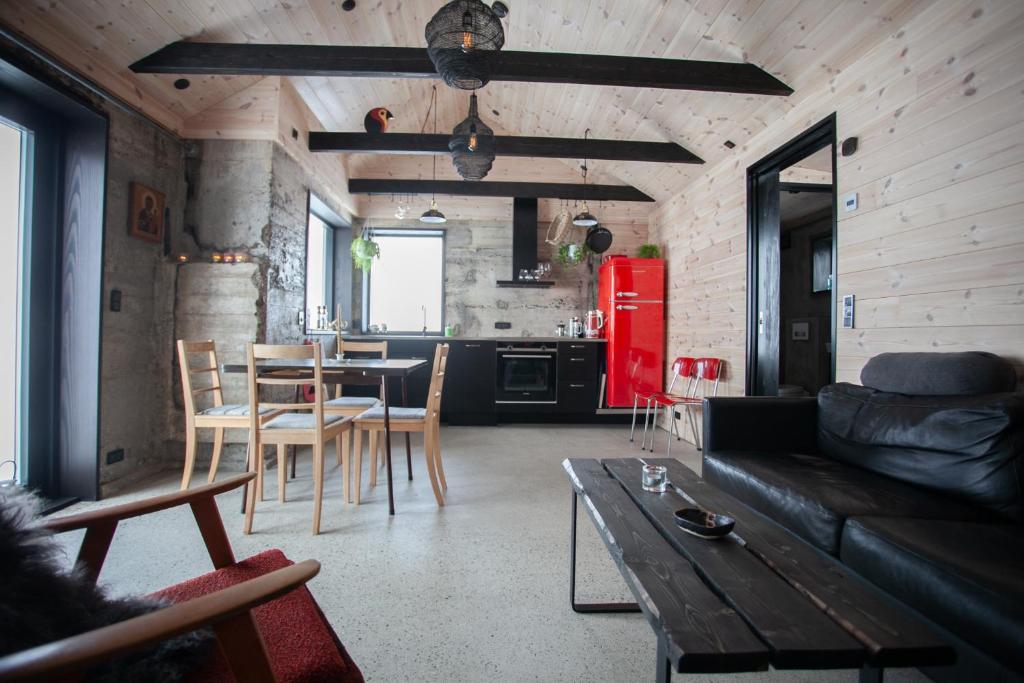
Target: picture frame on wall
[{"x": 146, "y": 213}]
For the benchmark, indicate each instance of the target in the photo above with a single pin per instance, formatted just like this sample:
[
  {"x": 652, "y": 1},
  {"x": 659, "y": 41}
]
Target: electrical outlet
[
  {"x": 502, "y": 326},
  {"x": 116, "y": 455},
  {"x": 850, "y": 202},
  {"x": 115, "y": 300},
  {"x": 848, "y": 312}
]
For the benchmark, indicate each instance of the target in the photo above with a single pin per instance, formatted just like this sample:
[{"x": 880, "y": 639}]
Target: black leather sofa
[{"x": 914, "y": 480}]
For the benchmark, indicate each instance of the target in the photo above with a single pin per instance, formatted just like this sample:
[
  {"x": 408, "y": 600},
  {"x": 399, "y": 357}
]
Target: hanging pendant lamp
[
  {"x": 460, "y": 39},
  {"x": 585, "y": 219},
  {"x": 432, "y": 215},
  {"x": 472, "y": 145}
]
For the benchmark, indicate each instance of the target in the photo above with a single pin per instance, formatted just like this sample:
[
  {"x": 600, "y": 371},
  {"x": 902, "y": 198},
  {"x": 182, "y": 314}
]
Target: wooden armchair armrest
[
  {"x": 101, "y": 524},
  {"x": 226, "y": 611}
]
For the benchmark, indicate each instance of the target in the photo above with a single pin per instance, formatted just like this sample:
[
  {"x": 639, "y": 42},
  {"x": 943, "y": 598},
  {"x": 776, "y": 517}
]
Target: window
[
  {"x": 12, "y": 191},
  {"x": 405, "y": 289},
  {"x": 322, "y": 240}
]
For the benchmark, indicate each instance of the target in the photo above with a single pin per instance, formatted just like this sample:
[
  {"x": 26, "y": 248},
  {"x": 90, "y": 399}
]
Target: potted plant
[
  {"x": 364, "y": 250},
  {"x": 573, "y": 254},
  {"x": 649, "y": 251}
]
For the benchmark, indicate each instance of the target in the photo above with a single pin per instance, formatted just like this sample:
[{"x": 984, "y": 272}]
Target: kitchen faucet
[{"x": 424, "y": 309}]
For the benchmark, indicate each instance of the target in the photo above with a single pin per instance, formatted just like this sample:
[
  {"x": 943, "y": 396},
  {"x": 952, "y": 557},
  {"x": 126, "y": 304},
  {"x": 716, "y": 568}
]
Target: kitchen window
[
  {"x": 405, "y": 288},
  {"x": 326, "y": 232}
]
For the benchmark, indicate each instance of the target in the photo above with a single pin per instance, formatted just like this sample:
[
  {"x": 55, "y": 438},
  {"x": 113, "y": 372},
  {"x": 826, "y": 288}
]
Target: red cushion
[{"x": 302, "y": 646}]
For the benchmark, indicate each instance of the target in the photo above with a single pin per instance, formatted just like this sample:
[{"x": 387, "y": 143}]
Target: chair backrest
[
  {"x": 378, "y": 348},
  {"x": 207, "y": 367},
  {"x": 709, "y": 370},
  {"x": 683, "y": 368},
  {"x": 437, "y": 381},
  {"x": 258, "y": 352}
]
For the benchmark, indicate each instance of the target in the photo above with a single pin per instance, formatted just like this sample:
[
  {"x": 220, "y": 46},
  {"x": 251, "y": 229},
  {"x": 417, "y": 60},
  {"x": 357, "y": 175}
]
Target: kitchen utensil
[
  {"x": 560, "y": 227},
  {"x": 594, "y": 324},
  {"x": 560, "y": 330},
  {"x": 703, "y": 523},
  {"x": 599, "y": 239},
  {"x": 575, "y": 327}
]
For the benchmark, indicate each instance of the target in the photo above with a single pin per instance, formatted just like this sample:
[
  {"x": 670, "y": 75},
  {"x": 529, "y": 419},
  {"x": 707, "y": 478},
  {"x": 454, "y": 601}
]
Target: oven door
[{"x": 526, "y": 377}]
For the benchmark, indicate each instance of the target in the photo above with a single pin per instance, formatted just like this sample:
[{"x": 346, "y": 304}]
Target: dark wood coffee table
[{"x": 760, "y": 597}]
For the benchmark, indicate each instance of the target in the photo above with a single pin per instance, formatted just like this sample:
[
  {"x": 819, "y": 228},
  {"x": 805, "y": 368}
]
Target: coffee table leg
[
  {"x": 387, "y": 444},
  {"x": 408, "y": 440},
  {"x": 590, "y": 607},
  {"x": 664, "y": 674},
  {"x": 871, "y": 674}
]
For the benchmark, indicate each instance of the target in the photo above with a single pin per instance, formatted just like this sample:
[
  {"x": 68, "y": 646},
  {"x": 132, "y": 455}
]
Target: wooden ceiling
[{"x": 800, "y": 41}]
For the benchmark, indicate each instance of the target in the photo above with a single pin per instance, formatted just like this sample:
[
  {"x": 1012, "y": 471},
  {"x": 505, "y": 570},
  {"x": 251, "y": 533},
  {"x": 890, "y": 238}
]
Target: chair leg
[
  {"x": 647, "y": 419},
  {"x": 437, "y": 457},
  {"x": 282, "y": 470},
  {"x": 341, "y": 446},
  {"x": 428, "y": 447},
  {"x": 318, "y": 484},
  {"x": 190, "y": 457},
  {"x": 632, "y": 428},
  {"x": 358, "y": 473},
  {"x": 669, "y": 414},
  {"x": 218, "y": 447},
  {"x": 373, "y": 456},
  {"x": 260, "y": 467},
  {"x": 250, "y": 499}
]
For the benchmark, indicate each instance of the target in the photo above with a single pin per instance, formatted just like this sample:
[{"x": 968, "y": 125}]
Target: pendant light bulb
[
  {"x": 473, "y": 141},
  {"x": 467, "y": 32}
]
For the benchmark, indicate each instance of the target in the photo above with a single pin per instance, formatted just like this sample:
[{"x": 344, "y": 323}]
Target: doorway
[
  {"x": 791, "y": 241},
  {"x": 13, "y": 154}
]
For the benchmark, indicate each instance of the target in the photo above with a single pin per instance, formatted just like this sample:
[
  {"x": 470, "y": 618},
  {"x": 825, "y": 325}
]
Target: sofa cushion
[
  {"x": 812, "y": 496},
  {"x": 968, "y": 577},
  {"x": 967, "y": 447},
  {"x": 939, "y": 374},
  {"x": 300, "y": 642}
]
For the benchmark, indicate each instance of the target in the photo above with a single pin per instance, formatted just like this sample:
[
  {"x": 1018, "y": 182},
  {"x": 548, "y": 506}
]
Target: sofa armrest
[{"x": 757, "y": 423}]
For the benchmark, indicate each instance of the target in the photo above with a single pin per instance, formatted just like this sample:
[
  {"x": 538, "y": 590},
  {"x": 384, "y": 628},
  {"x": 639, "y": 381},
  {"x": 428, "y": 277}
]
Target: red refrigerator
[{"x": 631, "y": 294}]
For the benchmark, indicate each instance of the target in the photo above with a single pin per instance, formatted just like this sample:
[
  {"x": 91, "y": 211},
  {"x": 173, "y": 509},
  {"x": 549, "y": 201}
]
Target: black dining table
[{"x": 354, "y": 371}]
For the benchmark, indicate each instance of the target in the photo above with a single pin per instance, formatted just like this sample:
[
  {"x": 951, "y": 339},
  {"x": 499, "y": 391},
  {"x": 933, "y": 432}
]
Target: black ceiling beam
[
  {"x": 412, "y": 62},
  {"x": 505, "y": 146},
  {"x": 610, "y": 193}
]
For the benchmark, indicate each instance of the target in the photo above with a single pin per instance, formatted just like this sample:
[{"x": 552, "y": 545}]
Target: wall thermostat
[{"x": 850, "y": 202}]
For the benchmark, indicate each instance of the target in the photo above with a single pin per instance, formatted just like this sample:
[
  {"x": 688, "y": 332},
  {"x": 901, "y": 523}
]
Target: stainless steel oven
[{"x": 527, "y": 373}]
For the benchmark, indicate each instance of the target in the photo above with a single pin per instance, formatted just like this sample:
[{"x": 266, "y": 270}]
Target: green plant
[
  {"x": 364, "y": 250},
  {"x": 649, "y": 251},
  {"x": 573, "y": 254}
]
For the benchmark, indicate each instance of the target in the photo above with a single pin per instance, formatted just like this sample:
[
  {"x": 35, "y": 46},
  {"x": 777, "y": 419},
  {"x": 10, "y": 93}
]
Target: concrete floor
[{"x": 474, "y": 591}]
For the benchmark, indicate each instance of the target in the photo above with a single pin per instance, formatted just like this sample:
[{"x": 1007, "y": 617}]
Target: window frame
[
  {"x": 317, "y": 207},
  {"x": 419, "y": 233}
]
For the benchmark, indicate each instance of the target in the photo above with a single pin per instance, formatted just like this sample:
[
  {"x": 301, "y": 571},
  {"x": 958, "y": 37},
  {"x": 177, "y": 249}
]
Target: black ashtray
[{"x": 703, "y": 523}]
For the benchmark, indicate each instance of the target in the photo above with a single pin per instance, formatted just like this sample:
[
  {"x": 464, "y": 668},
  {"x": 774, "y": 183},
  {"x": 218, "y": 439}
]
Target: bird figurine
[{"x": 377, "y": 119}]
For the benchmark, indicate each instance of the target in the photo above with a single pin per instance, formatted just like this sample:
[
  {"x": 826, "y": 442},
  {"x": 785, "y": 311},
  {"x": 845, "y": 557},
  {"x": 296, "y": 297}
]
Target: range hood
[{"x": 524, "y": 243}]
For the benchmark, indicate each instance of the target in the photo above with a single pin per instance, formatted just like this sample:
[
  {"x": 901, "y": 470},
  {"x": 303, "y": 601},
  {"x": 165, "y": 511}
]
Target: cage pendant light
[
  {"x": 472, "y": 145},
  {"x": 460, "y": 38},
  {"x": 585, "y": 219},
  {"x": 432, "y": 215}
]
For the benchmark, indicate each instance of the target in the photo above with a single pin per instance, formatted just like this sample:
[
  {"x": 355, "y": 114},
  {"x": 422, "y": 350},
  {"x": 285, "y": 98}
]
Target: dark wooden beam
[
  {"x": 505, "y": 146},
  {"x": 413, "y": 62},
  {"x": 610, "y": 193}
]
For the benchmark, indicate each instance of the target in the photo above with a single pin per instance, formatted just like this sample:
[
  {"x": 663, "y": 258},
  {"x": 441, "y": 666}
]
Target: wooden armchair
[{"x": 242, "y": 602}]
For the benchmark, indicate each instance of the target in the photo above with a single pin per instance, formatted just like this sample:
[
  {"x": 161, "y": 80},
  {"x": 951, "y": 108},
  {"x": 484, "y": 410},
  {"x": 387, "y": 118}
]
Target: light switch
[{"x": 850, "y": 202}]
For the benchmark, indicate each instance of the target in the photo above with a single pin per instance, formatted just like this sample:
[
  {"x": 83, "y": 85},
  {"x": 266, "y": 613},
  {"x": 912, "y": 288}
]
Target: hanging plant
[
  {"x": 649, "y": 251},
  {"x": 364, "y": 250},
  {"x": 573, "y": 254}
]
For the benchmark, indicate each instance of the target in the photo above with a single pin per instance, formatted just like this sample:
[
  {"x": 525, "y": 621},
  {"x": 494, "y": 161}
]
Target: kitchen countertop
[{"x": 413, "y": 337}]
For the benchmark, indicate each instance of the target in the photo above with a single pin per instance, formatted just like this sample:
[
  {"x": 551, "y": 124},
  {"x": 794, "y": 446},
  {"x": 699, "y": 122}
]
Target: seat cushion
[
  {"x": 300, "y": 642},
  {"x": 232, "y": 410},
  {"x": 812, "y": 496},
  {"x": 300, "y": 421},
  {"x": 352, "y": 402},
  {"x": 967, "y": 577},
  {"x": 396, "y": 414},
  {"x": 965, "y": 447}
]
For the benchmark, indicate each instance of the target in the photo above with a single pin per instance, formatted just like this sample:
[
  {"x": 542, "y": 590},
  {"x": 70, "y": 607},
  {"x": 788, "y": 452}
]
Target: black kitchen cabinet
[
  {"x": 577, "y": 361},
  {"x": 577, "y": 397},
  {"x": 469, "y": 383}
]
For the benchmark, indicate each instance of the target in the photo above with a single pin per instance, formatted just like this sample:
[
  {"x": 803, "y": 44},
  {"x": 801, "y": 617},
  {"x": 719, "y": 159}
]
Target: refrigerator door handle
[
  {"x": 624, "y": 307},
  {"x": 621, "y": 295}
]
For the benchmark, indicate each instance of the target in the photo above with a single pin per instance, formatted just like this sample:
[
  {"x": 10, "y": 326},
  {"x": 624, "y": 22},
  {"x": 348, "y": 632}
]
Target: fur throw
[{"x": 41, "y": 603}]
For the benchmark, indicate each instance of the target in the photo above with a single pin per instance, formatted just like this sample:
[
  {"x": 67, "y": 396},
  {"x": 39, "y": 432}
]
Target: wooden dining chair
[
  {"x": 355, "y": 405},
  {"x": 404, "y": 420},
  {"x": 218, "y": 416},
  {"x": 292, "y": 428}
]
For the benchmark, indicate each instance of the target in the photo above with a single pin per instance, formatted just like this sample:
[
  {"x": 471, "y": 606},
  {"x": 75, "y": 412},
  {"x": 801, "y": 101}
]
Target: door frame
[{"x": 816, "y": 137}]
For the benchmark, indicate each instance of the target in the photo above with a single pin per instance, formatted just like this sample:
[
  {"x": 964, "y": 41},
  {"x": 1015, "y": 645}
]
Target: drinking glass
[{"x": 654, "y": 478}]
